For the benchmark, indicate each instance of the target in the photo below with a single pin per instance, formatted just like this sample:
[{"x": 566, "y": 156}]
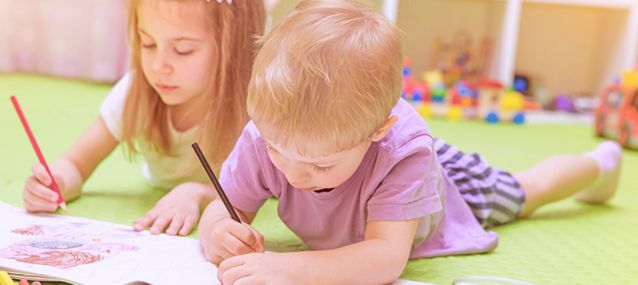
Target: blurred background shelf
[{"x": 570, "y": 46}]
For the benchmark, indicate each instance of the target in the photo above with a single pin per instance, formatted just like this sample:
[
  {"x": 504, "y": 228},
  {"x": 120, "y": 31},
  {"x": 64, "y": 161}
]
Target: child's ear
[{"x": 383, "y": 130}]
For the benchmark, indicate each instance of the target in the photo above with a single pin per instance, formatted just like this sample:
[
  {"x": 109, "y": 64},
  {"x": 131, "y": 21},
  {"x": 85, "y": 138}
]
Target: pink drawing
[{"x": 67, "y": 245}]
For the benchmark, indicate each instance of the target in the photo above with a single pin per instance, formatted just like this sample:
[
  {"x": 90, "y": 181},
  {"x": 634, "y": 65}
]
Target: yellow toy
[
  {"x": 5, "y": 279},
  {"x": 496, "y": 105},
  {"x": 629, "y": 79}
]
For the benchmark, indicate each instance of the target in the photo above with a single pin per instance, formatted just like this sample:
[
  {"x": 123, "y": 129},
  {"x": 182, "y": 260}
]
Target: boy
[{"x": 358, "y": 176}]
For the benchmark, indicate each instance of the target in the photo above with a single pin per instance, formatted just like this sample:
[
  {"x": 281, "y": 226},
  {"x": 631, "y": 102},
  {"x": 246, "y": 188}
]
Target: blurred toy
[
  {"x": 461, "y": 58},
  {"x": 438, "y": 105},
  {"x": 521, "y": 84},
  {"x": 455, "y": 113},
  {"x": 496, "y": 105},
  {"x": 430, "y": 94},
  {"x": 512, "y": 107},
  {"x": 453, "y": 104},
  {"x": 617, "y": 112},
  {"x": 465, "y": 95},
  {"x": 413, "y": 90},
  {"x": 585, "y": 104},
  {"x": 563, "y": 103},
  {"x": 573, "y": 103},
  {"x": 629, "y": 79},
  {"x": 607, "y": 113},
  {"x": 628, "y": 132},
  {"x": 607, "y": 117},
  {"x": 488, "y": 97},
  {"x": 443, "y": 93},
  {"x": 433, "y": 78}
]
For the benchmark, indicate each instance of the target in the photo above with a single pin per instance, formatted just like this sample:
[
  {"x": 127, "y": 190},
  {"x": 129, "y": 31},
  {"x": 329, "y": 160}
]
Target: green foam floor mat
[{"x": 563, "y": 243}]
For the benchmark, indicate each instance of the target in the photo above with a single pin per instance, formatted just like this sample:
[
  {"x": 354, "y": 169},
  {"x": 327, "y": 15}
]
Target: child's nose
[
  {"x": 298, "y": 175},
  {"x": 161, "y": 65}
]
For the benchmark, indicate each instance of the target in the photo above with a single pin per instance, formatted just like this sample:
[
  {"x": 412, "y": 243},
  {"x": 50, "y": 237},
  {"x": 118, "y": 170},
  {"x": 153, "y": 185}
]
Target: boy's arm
[{"x": 379, "y": 259}]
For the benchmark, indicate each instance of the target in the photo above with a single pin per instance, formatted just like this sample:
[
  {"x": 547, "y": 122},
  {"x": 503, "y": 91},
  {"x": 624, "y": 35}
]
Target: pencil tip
[{"x": 63, "y": 206}]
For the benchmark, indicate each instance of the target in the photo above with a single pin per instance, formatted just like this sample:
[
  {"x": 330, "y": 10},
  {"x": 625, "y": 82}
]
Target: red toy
[
  {"x": 617, "y": 115},
  {"x": 628, "y": 132}
]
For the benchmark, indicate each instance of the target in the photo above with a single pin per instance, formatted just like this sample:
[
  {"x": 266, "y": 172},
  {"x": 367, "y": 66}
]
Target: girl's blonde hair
[
  {"x": 235, "y": 29},
  {"x": 328, "y": 73}
]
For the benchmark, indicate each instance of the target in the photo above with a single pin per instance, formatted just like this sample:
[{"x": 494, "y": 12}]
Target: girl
[{"x": 191, "y": 63}]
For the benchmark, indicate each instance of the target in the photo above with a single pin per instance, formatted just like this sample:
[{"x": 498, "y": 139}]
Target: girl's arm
[
  {"x": 379, "y": 259},
  {"x": 95, "y": 144},
  {"x": 71, "y": 170}
]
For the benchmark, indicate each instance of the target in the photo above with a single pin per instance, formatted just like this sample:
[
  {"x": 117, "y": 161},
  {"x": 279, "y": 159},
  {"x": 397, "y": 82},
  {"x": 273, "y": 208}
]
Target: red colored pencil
[{"x": 34, "y": 143}]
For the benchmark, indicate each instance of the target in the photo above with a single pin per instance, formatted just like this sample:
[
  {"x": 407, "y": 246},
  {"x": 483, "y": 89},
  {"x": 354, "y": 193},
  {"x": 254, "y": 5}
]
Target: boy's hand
[
  {"x": 178, "y": 211},
  {"x": 263, "y": 268},
  {"x": 38, "y": 196},
  {"x": 229, "y": 238},
  {"x": 223, "y": 238}
]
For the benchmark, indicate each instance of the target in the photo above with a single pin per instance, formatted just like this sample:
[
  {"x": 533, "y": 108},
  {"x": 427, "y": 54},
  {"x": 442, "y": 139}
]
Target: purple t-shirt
[{"x": 399, "y": 179}]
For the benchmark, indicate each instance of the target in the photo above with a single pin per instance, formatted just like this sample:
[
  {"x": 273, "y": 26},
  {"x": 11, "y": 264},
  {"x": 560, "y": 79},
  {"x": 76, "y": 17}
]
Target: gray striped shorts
[{"x": 494, "y": 195}]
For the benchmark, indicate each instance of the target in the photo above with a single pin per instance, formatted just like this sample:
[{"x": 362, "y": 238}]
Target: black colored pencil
[{"x": 213, "y": 179}]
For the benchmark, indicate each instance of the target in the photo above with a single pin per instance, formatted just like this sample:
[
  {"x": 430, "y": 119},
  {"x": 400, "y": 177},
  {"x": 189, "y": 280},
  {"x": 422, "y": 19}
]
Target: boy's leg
[
  {"x": 494, "y": 195},
  {"x": 593, "y": 176}
]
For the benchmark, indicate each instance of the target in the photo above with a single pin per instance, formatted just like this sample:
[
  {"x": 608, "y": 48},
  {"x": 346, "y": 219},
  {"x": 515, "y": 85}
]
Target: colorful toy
[
  {"x": 496, "y": 105},
  {"x": 455, "y": 58},
  {"x": 607, "y": 118},
  {"x": 628, "y": 133},
  {"x": 453, "y": 104},
  {"x": 413, "y": 90},
  {"x": 488, "y": 98},
  {"x": 444, "y": 93},
  {"x": 616, "y": 116}
]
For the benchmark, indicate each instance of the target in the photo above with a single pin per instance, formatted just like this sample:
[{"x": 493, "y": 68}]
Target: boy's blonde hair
[
  {"x": 235, "y": 28},
  {"x": 328, "y": 73}
]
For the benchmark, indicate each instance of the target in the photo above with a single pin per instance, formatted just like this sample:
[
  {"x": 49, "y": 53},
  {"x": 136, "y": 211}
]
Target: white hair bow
[{"x": 220, "y": 1}]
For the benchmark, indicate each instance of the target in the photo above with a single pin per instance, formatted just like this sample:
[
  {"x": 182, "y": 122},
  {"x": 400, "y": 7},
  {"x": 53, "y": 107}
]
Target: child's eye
[
  {"x": 183, "y": 52},
  {"x": 322, "y": 169},
  {"x": 148, "y": 46}
]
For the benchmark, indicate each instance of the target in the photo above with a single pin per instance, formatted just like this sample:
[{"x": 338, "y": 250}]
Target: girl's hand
[
  {"x": 222, "y": 237},
  {"x": 178, "y": 211},
  {"x": 262, "y": 268},
  {"x": 38, "y": 196}
]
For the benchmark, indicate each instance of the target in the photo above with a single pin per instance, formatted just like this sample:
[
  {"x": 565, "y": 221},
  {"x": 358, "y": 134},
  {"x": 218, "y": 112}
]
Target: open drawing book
[{"x": 84, "y": 251}]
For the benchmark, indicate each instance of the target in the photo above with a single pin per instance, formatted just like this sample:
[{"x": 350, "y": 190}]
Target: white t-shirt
[{"x": 159, "y": 170}]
